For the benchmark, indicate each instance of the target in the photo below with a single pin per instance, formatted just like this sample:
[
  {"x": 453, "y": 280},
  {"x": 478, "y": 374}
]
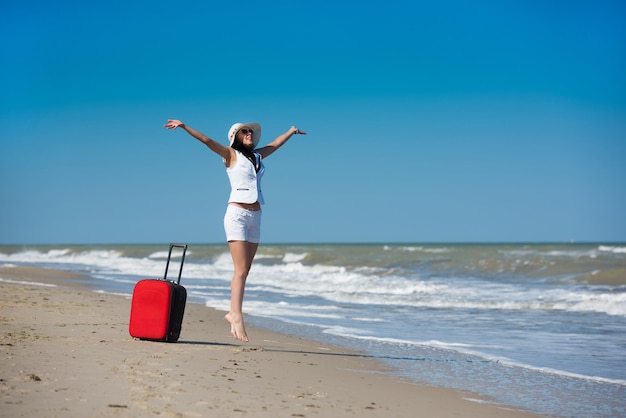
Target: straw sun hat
[{"x": 256, "y": 132}]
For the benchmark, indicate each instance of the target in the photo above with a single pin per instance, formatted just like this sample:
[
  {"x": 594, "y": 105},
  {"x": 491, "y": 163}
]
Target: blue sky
[{"x": 451, "y": 121}]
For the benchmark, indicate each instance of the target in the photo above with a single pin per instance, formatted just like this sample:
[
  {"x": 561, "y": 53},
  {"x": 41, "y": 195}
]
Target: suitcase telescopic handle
[{"x": 182, "y": 260}]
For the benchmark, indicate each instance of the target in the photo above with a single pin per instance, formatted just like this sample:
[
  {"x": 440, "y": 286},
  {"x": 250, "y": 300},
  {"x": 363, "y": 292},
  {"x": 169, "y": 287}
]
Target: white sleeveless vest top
[{"x": 245, "y": 182}]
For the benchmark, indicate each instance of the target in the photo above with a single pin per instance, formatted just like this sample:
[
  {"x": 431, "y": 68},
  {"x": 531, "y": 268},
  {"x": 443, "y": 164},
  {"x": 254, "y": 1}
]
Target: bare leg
[{"x": 242, "y": 253}]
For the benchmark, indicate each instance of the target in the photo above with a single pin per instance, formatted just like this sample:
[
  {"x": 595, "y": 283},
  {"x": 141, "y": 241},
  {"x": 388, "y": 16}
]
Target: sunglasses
[{"x": 246, "y": 131}]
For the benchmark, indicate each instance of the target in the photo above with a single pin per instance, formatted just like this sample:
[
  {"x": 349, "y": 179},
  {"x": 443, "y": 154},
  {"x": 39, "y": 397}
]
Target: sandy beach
[{"x": 66, "y": 351}]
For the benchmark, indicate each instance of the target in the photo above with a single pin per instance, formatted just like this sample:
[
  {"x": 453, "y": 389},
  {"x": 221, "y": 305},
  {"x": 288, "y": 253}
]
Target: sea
[{"x": 539, "y": 327}]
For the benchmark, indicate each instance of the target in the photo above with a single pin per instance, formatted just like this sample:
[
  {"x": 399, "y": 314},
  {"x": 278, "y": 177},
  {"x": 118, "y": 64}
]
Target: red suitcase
[{"x": 158, "y": 306}]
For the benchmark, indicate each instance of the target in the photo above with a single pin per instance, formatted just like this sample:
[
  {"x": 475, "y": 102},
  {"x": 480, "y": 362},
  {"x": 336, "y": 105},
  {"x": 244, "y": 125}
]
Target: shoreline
[{"x": 66, "y": 351}]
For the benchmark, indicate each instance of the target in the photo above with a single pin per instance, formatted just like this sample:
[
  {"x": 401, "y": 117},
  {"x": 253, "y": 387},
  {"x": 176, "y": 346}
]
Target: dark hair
[{"x": 248, "y": 153}]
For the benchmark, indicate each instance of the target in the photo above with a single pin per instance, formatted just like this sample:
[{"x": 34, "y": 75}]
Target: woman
[{"x": 242, "y": 221}]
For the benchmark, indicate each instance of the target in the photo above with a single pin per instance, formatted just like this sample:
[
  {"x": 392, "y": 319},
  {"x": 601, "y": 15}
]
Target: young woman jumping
[{"x": 242, "y": 221}]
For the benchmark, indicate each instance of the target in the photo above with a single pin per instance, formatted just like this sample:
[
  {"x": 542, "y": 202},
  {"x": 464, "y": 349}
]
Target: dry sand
[{"x": 66, "y": 352}]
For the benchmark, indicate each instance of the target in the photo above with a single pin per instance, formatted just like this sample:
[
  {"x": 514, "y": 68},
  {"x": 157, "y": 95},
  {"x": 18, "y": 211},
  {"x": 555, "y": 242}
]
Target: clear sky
[{"x": 439, "y": 121}]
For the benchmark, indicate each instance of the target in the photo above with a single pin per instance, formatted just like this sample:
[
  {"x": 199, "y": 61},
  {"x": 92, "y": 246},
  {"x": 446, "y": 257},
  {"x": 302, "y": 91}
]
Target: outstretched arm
[
  {"x": 270, "y": 148},
  {"x": 222, "y": 150}
]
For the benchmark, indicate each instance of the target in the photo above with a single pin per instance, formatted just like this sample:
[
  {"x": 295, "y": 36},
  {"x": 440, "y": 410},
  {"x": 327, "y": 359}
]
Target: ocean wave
[
  {"x": 28, "y": 283},
  {"x": 159, "y": 255},
  {"x": 474, "y": 350},
  {"x": 294, "y": 258},
  {"x": 417, "y": 249},
  {"x": 617, "y": 250},
  {"x": 361, "y": 285}
]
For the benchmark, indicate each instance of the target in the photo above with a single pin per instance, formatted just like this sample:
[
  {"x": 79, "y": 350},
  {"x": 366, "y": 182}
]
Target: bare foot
[{"x": 237, "y": 329}]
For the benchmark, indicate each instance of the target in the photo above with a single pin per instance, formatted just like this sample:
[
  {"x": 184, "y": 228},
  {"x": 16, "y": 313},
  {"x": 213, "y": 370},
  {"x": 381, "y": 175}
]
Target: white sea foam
[
  {"x": 363, "y": 286},
  {"x": 29, "y": 283},
  {"x": 618, "y": 250},
  {"x": 473, "y": 350},
  {"x": 417, "y": 249},
  {"x": 159, "y": 255},
  {"x": 294, "y": 258}
]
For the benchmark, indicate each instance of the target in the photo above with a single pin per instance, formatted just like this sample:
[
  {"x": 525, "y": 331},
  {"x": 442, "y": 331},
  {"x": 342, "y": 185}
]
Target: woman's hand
[
  {"x": 297, "y": 131},
  {"x": 173, "y": 124}
]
